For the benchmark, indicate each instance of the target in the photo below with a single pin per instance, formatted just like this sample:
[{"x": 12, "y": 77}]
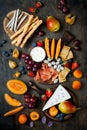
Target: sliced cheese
[{"x": 60, "y": 95}]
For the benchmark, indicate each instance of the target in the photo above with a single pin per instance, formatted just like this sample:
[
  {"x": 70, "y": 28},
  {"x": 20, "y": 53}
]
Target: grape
[
  {"x": 77, "y": 48},
  {"x": 30, "y": 62},
  {"x": 31, "y": 105},
  {"x": 27, "y": 100},
  {"x": 23, "y": 55},
  {"x": 60, "y": 6},
  {"x": 41, "y": 33},
  {"x": 29, "y": 67},
  {"x": 33, "y": 99},
  {"x": 65, "y": 10},
  {"x": 50, "y": 123},
  {"x": 27, "y": 57},
  {"x": 31, "y": 124},
  {"x": 76, "y": 42},
  {"x": 27, "y": 95},
  {"x": 43, "y": 120},
  {"x": 62, "y": 2},
  {"x": 34, "y": 69},
  {"x": 26, "y": 61}
]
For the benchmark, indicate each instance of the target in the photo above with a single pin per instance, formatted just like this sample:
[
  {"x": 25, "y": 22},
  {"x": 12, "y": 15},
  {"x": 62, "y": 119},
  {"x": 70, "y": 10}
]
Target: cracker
[{"x": 64, "y": 52}]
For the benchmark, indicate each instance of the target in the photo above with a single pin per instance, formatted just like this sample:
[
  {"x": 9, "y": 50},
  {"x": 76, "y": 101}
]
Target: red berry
[
  {"x": 68, "y": 65},
  {"x": 31, "y": 74},
  {"x": 49, "y": 92},
  {"x": 32, "y": 10},
  {"x": 39, "y": 44},
  {"x": 74, "y": 65},
  {"x": 38, "y": 4},
  {"x": 44, "y": 97}
]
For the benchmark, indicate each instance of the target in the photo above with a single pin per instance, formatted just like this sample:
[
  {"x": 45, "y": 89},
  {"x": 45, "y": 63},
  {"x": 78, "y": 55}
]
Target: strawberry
[
  {"x": 39, "y": 44},
  {"x": 32, "y": 10},
  {"x": 67, "y": 65},
  {"x": 31, "y": 74},
  {"x": 49, "y": 92},
  {"x": 44, "y": 97},
  {"x": 38, "y": 4},
  {"x": 74, "y": 65}
]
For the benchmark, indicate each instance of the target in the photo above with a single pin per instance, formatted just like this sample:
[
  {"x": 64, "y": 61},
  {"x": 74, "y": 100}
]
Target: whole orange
[
  {"x": 76, "y": 85},
  {"x": 22, "y": 119},
  {"x": 78, "y": 74}
]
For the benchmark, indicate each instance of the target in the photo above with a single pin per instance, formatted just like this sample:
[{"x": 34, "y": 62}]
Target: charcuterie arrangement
[{"x": 49, "y": 61}]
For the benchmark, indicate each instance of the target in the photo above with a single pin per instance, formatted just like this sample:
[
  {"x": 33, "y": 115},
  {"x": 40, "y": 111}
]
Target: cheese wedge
[{"x": 60, "y": 95}]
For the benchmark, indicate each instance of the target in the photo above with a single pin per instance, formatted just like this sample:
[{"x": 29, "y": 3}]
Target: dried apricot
[
  {"x": 22, "y": 119},
  {"x": 53, "y": 111},
  {"x": 78, "y": 74},
  {"x": 34, "y": 115},
  {"x": 76, "y": 84}
]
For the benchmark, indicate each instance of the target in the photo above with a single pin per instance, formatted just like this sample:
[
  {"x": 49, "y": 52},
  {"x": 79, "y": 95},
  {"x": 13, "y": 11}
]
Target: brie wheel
[{"x": 38, "y": 54}]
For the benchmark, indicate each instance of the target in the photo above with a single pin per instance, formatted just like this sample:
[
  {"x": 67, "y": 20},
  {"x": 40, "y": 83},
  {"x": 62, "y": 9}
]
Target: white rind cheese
[
  {"x": 60, "y": 95},
  {"x": 38, "y": 54}
]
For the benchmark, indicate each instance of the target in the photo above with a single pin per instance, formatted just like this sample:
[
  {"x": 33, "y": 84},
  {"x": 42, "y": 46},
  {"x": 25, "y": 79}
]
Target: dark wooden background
[{"x": 79, "y": 29}]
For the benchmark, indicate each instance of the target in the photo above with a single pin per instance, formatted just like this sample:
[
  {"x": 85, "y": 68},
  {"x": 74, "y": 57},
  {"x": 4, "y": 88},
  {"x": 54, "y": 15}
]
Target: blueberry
[
  {"x": 23, "y": 72},
  {"x": 1, "y": 45},
  {"x": 61, "y": 61},
  {"x": 70, "y": 61},
  {"x": 61, "y": 114},
  {"x": 4, "y": 41},
  {"x": 58, "y": 116},
  {"x": 61, "y": 118},
  {"x": 22, "y": 68},
  {"x": 10, "y": 50},
  {"x": 5, "y": 53},
  {"x": 33, "y": 44},
  {"x": 31, "y": 124},
  {"x": 50, "y": 123}
]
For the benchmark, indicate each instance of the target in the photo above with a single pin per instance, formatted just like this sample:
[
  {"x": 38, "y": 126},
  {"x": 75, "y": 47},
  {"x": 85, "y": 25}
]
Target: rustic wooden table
[{"x": 79, "y": 29}]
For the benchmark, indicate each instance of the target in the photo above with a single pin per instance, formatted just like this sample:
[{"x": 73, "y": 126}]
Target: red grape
[
  {"x": 27, "y": 95},
  {"x": 31, "y": 105},
  {"x": 77, "y": 48},
  {"x": 76, "y": 42},
  {"x": 29, "y": 67},
  {"x": 34, "y": 69},
  {"x": 33, "y": 99},
  {"x": 23, "y": 55},
  {"x": 65, "y": 10},
  {"x": 62, "y": 2}
]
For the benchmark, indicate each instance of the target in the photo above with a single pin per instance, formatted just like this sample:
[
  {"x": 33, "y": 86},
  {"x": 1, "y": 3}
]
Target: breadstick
[
  {"x": 58, "y": 47},
  {"x": 12, "y": 25},
  {"x": 21, "y": 21},
  {"x": 30, "y": 33},
  {"x": 25, "y": 29},
  {"x": 16, "y": 20},
  {"x": 33, "y": 23},
  {"x": 21, "y": 29}
]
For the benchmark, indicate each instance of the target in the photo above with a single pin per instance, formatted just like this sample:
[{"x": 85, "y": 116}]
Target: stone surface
[{"x": 79, "y": 29}]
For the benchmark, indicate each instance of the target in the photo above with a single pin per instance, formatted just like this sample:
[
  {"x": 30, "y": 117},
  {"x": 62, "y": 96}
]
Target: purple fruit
[
  {"x": 33, "y": 99},
  {"x": 28, "y": 95},
  {"x": 31, "y": 62},
  {"x": 27, "y": 57},
  {"x": 27, "y": 100},
  {"x": 23, "y": 55},
  {"x": 43, "y": 119},
  {"x": 29, "y": 67},
  {"x": 76, "y": 42},
  {"x": 62, "y": 2},
  {"x": 31, "y": 105},
  {"x": 77, "y": 48},
  {"x": 34, "y": 69},
  {"x": 50, "y": 123},
  {"x": 41, "y": 33},
  {"x": 60, "y": 6},
  {"x": 65, "y": 10},
  {"x": 26, "y": 61},
  {"x": 31, "y": 124}
]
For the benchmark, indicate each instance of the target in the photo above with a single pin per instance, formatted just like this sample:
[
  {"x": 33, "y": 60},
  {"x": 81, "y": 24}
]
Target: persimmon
[
  {"x": 22, "y": 119},
  {"x": 78, "y": 74},
  {"x": 76, "y": 85}
]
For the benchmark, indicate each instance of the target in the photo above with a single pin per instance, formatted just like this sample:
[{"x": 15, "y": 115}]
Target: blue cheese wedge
[
  {"x": 38, "y": 54},
  {"x": 60, "y": 95}
]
